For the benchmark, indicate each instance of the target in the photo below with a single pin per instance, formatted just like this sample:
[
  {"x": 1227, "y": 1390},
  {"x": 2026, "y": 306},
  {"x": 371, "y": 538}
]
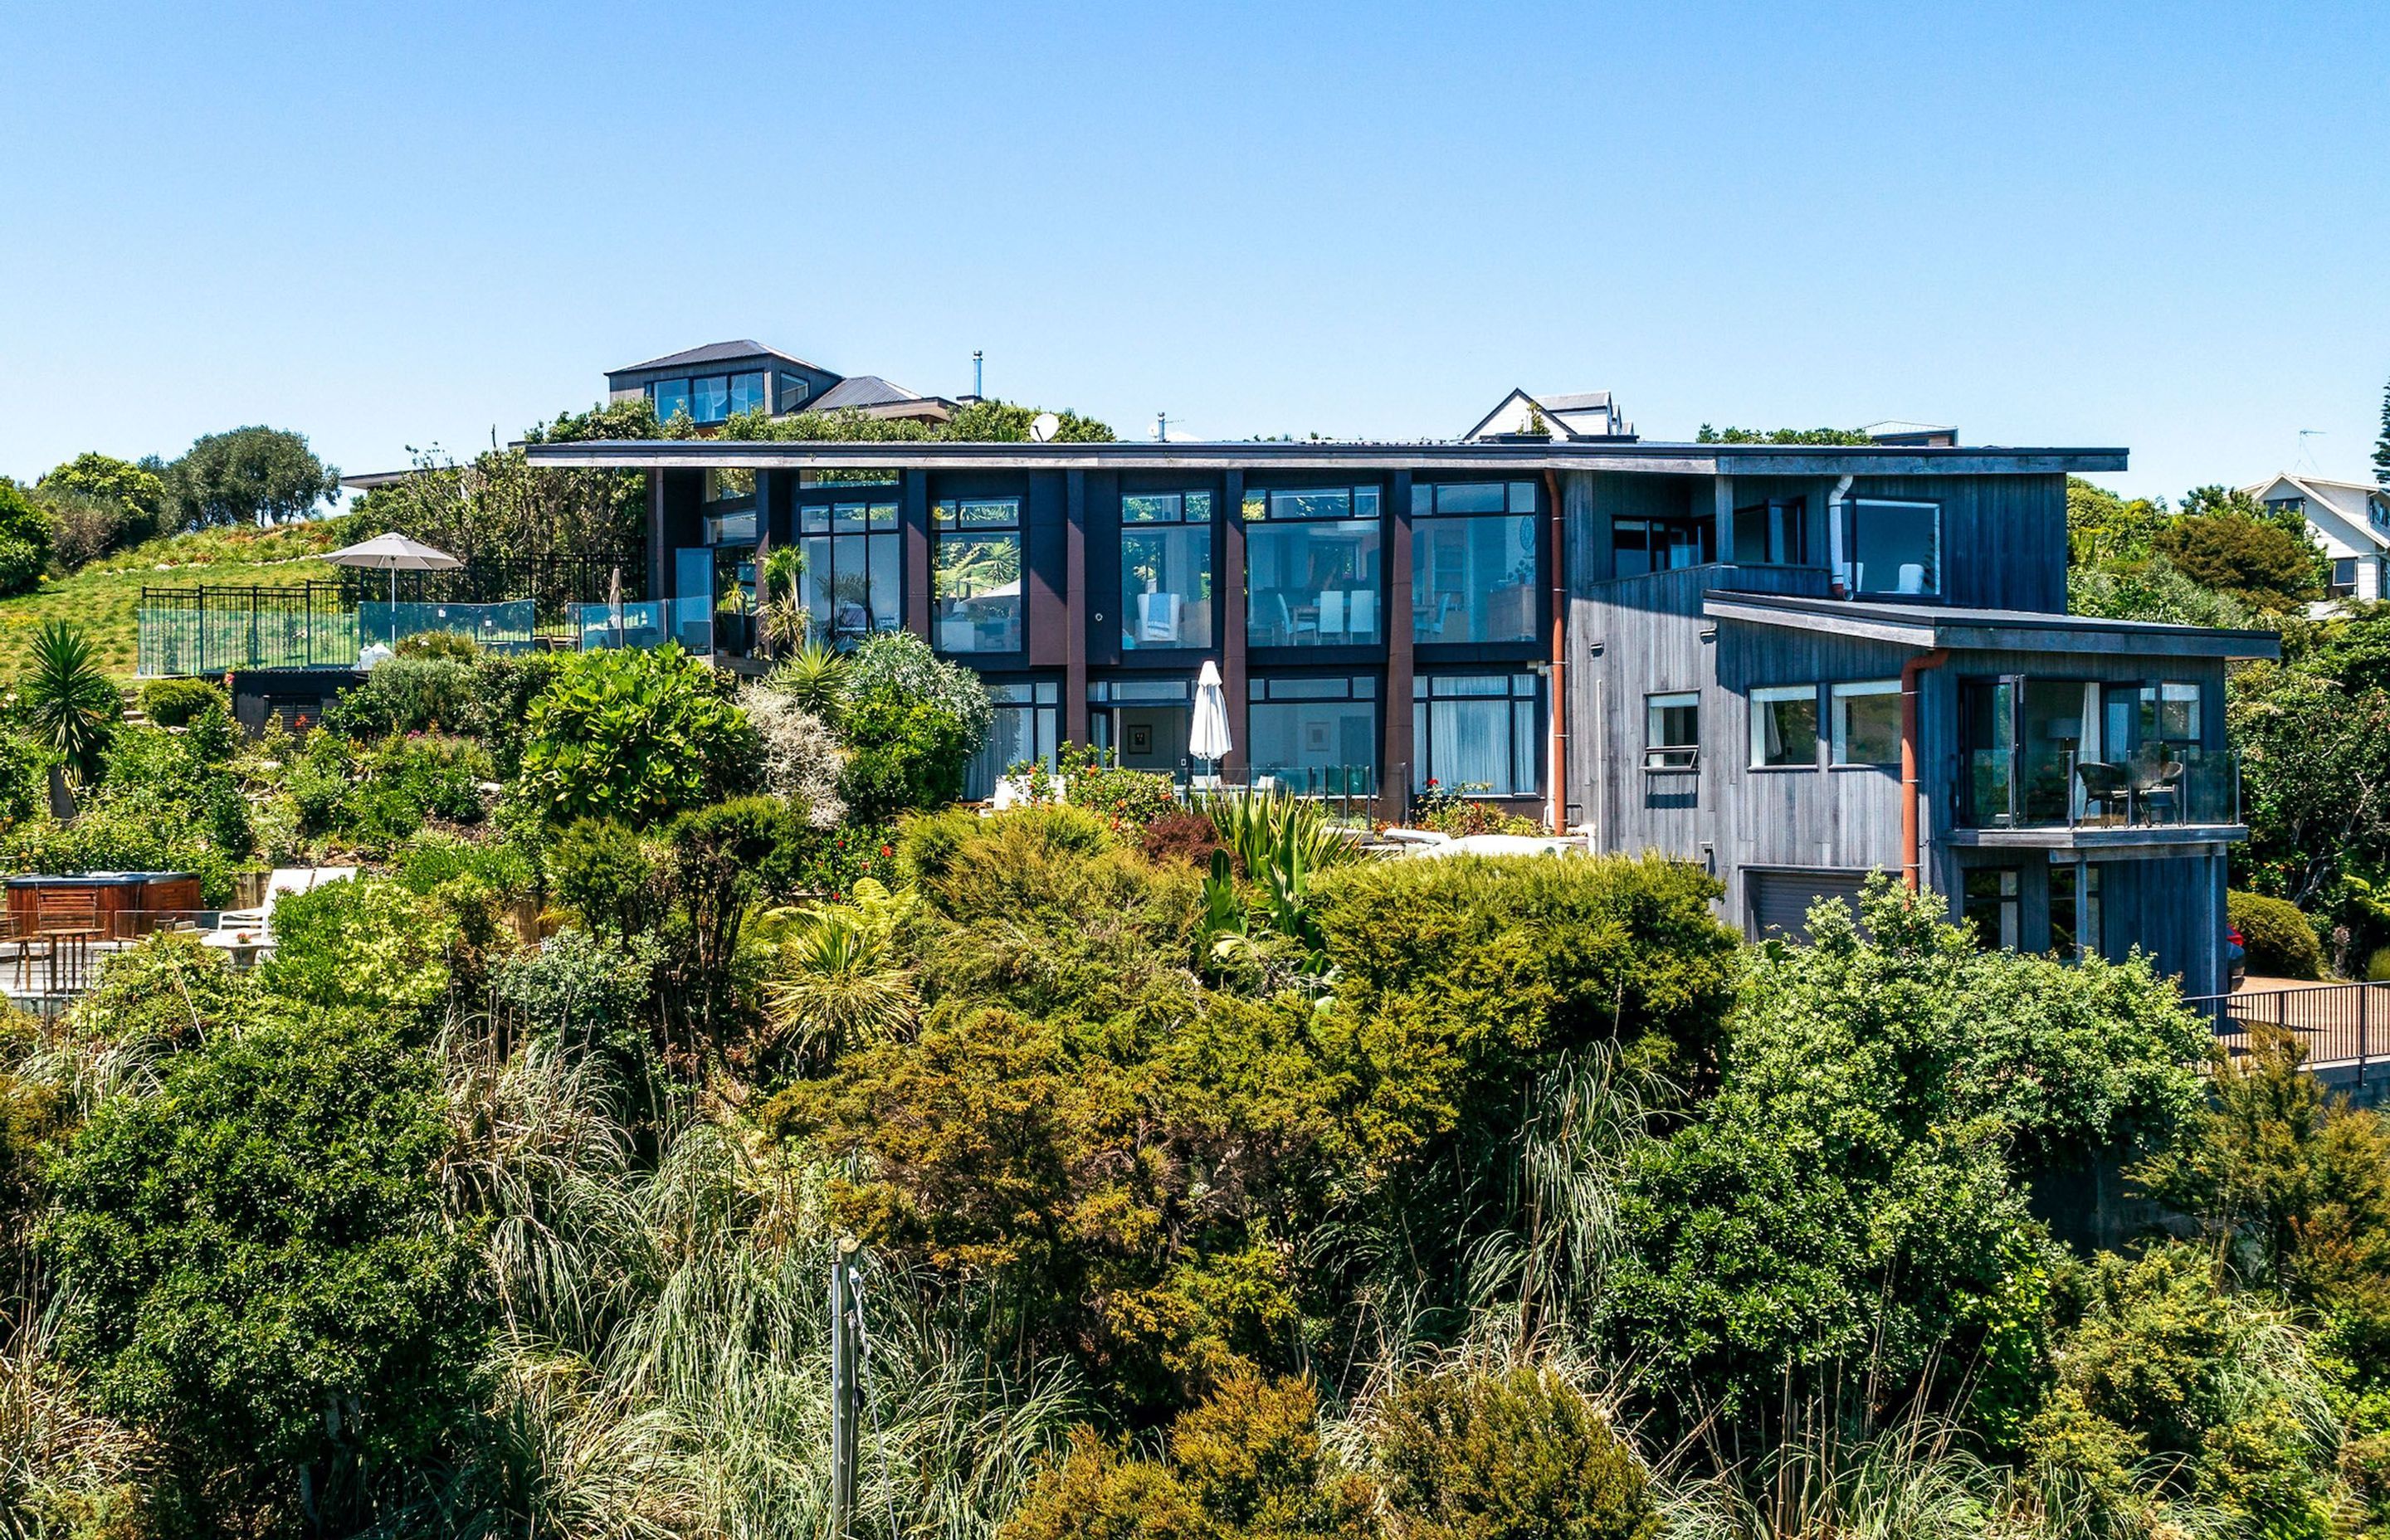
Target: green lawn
[{"x": 105, "y": 598}]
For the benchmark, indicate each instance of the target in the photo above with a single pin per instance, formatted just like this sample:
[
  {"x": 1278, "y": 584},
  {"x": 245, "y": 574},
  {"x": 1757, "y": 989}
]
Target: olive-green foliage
[
  {"x": 911, "y": 721},
  {"x": 589, "y": 993},
  {"x": 161, "y": 802},
  {"x": 25, "y": 778},
  {"x": 1248, "y": 1464},
  {"x": 1851, "y": 1194},
  {"x": 66, "y": 697},
  {"x": 135, "y": 491},
  {"x": 431, "y": 860},
  {"x": 453, "y": 645},
  {"x": 172, "y": 703},
  {"x": 2254, "y": 561},
  {"x": 247, "y": 476},
  {"x": 718, "y": 863},
  {"x": 2279, "y": 941},
  {"x": 1522, "y": 1456},
  {"x": 632, "y": 734},
  {"x": 2105, "y": 528},
  {"x": 363, "y": 943},
  {"x": 403, "y": 695},
  {"x": 606, "y": 874},
  {"x": 2159, "y": 1359},
  {"x": 169, "y": 989},
  {"x": 254, "y": 1265},
  {"x": 24, "y": 540},
  {"x": 407, "y": 780}
]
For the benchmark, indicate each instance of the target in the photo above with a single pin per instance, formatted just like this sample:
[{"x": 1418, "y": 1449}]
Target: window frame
[
  {"x": 1671, "y": 757},
  {"x": 1838, "y": 723},
  {"x": 1520, "y": 692},
  {"x": 1936, "y": 584},
  {"x": 944, "y": 528},
  {"x": 1517, "y": 499},
  {"x": 1261, "y": 506},
  {"x": 869, "y": 537},
  {"x": 1265, "y": 691},
  {"x": 1763, "y": 696},
  {"x": 1184, "y": 520}
]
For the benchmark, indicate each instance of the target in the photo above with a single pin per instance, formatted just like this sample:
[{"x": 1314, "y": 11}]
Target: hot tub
[{"x": 131, "y": 903}]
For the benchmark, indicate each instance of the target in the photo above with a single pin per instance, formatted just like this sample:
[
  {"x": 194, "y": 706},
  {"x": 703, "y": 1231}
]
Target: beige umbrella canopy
[{"x": 394, "y": 553}]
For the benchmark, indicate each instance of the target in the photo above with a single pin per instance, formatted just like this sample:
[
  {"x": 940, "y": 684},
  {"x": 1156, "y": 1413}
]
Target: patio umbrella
[
  {"x": 1207, "y": 737},
  {"x": 615, "y": 602},
  {"x": 394, "y": 553}
]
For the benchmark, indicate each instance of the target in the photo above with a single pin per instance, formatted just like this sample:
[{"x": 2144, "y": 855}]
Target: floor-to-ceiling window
[
  {"x": 1166, "y": 570},
  {"x": 1476, "y": 735},
  {"x": 1315, "y": 736},
  {"x": 1473, "y": 562},
  {"x": 855, "y": 569},
  {"x": 975, "y": 574},
  {"x": 1311, "y": 566},
  {"x": 706, "y": 399},
  {"x": 1020, "y": 730}
]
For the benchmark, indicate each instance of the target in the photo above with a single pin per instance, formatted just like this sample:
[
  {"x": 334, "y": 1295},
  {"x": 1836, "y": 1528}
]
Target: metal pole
[{"x": 842, "y": 1441}]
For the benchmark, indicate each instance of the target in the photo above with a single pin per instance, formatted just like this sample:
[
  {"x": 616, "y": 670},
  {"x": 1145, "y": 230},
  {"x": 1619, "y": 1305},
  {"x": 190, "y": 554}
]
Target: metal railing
[
  {"x": 554, "y": 585},
  {"x": 2341, "y": 1025}
]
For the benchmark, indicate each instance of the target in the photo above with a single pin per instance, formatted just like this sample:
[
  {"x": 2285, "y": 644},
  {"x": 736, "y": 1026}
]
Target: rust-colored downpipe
[
  {"x": 1556, "y": 769},
  {"x": 1911, "y": 865}
]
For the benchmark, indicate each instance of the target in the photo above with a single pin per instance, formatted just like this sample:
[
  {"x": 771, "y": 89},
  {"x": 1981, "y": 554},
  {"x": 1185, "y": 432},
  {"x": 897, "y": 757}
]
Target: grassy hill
[{"x": 105, "y": 598}]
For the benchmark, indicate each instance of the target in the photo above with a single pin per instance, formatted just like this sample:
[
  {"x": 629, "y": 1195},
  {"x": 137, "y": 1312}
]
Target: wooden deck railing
[{"x": 2342, "y": 1025}]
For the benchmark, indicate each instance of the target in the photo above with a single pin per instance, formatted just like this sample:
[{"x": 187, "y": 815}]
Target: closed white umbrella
[
  {"x": 1207, "y": 736},
  {"x": 393, "y": 553}
]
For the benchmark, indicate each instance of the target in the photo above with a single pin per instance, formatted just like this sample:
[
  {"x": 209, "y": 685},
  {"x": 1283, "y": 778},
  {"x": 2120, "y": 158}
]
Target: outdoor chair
[{"x": 2108, "y": 784}]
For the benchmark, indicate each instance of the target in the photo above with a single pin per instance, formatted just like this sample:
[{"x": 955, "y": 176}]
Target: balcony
[{"x": 2159, "y": 793}]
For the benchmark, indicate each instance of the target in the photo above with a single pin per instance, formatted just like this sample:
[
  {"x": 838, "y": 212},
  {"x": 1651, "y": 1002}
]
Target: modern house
[
  {"x": 709, "y": 383},
  {"x": 2349, "y": 520},
  {"x": 1794, "y": 664}
]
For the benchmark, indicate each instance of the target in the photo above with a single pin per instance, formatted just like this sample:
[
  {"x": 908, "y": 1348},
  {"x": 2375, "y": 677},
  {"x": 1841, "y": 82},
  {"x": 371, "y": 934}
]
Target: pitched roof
[
  {"x": 716, "y": 353},
  {"x": 863, "y": 389},
  {"x": 1584, "y": 401},
  {"x": 1896, "y": 425}
]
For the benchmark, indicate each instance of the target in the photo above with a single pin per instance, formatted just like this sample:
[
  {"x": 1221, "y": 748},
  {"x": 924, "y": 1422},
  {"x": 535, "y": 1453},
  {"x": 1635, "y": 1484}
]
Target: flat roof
[
  {"x": 1934, "y": 625},
  {"x": 1699, "y": 459}
]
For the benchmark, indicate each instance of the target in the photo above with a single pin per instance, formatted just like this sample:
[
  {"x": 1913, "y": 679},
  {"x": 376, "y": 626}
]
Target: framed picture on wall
[
  {"x": 1140, "y": 737},
  {"x": 1315, "y": 737}
]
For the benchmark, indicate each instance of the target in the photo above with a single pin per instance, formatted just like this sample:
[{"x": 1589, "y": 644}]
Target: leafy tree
[
  {"x": 364, "y": 943},
  {"x": 2251, "y": 557},
  {"x": 248, "y": 476},
  {"x": 911, "y": 721},
  {"x": 137, "y": 493},
  {"x": 1522, "y": 1455},
  {"x": 498, "y": 501},
  {"x": 633, "y": 735},
  {"x": 2315, "y": 779},
  {"x": 24, "y": 540},
  {"x": 67, "y": 699},
  {"x": 1850, "y": 1192},
  {"x": 1832, "y": 436},
  {"x": 2103, "y": 527},
  {"x": 256, "y": 1268}
]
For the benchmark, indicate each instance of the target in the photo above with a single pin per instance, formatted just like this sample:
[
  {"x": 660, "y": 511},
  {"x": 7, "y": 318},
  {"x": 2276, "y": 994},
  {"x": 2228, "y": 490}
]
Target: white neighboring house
[
  {"x": 2349, "y": 520},
  {"x": 1586, "y": 414}
]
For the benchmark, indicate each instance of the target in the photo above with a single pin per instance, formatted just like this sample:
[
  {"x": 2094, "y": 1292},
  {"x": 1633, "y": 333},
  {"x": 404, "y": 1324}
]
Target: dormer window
[{"x": 707, "y": 399}]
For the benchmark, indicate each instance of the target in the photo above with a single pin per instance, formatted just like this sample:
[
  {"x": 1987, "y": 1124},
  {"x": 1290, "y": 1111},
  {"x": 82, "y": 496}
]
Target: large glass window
[
  {"x": 975, "y": 574},
  {"x": 1991, "y": 906},
  {"x": 1640, "y": 545},
  {"x": 1315, "y": 737},
  {"x": 1784, "y": 726},
  {"x": 729, "y": 508},
  {"x": 2074, "y": 928},
  {"x": 789, "y": 393},
  {"x": 1774, "y": 533},
  {"x": 855, "y": 569},
  {"x": 1311, "y": 566},
  {"x": 2170, "y": 713},
  {"x": 1896, "y": 548},
  {"x": 1166, "y": 570},
  {"x": 1672, "y": 730},
  {"x": 1866, "y": 722},
  {"x": 1476, "y": 735},
  {"x": 671, "y": 397},
  {"x": 1473, "y": 562},
  {"x": 1020, "y": 731},
  {"x": 747, "y": 392},
  {"x": 709, "y": 398}
]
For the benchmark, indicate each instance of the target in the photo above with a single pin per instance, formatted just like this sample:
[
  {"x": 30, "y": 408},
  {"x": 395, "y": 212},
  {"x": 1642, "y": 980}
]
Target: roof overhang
[
  {"x": 1692, "y": 459},
  {"x": 1923, "y": 627}
]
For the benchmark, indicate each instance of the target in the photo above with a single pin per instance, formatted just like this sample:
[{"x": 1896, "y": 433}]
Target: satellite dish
[{"x": 1044, "y": 425}]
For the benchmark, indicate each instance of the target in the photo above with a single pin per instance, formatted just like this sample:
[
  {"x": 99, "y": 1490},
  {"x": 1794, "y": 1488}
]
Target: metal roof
[
  {"x": 863, "y": 389},
  {"x": 718, "y": 352},
  {"x": 1694, "y": 459},
  {"x": 1934, "y": 625}
]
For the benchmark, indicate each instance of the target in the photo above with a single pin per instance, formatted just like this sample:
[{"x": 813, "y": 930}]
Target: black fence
[
  {"x": 2341, "y": 1025},
  {"x": 206, "y": 630},
  {"x": 553, "y": 584}
]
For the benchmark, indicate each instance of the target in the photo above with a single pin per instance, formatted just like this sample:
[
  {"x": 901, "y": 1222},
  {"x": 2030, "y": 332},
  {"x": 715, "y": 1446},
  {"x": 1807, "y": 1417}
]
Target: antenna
[
  {"x": 979, "y": 374},
  {"x": 1044, "y": 425},
  {"x": 2305, "y": 434}
]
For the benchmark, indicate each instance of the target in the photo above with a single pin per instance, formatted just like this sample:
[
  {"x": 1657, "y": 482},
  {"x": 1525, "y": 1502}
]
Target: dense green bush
[
  {"x": 912, "y": 722},
  {"x": 634, "y": 734},
  {"x": 24, "y": 540},
  {"x": 439, "y": 644},
  {"x": 1524, "y": 1456},
  {"x": 407, "y": 780},
  {"x": 361, "y": 943},
  {"x": 172, "y": 703},
  {"x": 135, "y": 493},
  {"x": 2279, "y": 940},
  {"x": 403, "y": 695},
  {"x": 256, "y": 1269},
  {"x": 25, "y": 778},
  {"x": 430, "y": 861},
  {"x": 589, "y": 995}
]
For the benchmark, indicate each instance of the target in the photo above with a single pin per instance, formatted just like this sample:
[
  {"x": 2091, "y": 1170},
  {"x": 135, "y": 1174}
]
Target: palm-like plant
[
  {"x": 841, "y": 981},
  {"x": 68, "y": 699},
  {"x": 781, "y": 607},
  {"x": 814, "y": 679}
]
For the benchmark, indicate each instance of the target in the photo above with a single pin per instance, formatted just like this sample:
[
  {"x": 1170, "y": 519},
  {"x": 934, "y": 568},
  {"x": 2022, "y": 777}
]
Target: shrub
[
  {"x": 172, "y": 703},
  {"x": 912, "y": 722},
  {"x": 900, "y": 664},
  {"x": 25, "y": 778},
  {"x": 134, "y": 495},
  {"x": 409, "y": 779},
  {"x": 606, "y": 874},
  {"x": 261, "y": 1242},
  {"x": 586, "y": 993},
  {"x": 319, "y": 780},
  {"x": 113, "y": 838},
  {"x": 83, "y": 528},
  {"x": 170, "y": 988},
  {"x": 831, "y": 862},
  {"x": 24, "y": 540},
  {"x": 1126, "y": 800},
  {"x": 403, "y": 695},
  {"x": 1184, "y": 837},
  {"x": 439, "y": 644},
  {"x": 802, "y": 757},
  {"x": 632, "y": 734},
  {"x": 1448, "y": 810},
  {"x": 361, "y": 943},
  {"x": 2377, "y": 965},
  {"x": 1522, "y": 1455},
  {"x": 2278, "y": 939},
  {"x": 503, "y": 687},
  {"x": 431, "y": 861}
]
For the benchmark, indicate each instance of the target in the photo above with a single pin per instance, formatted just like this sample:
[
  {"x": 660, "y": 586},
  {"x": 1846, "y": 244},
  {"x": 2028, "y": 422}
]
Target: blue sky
[{"x": 2164, "y": 227}]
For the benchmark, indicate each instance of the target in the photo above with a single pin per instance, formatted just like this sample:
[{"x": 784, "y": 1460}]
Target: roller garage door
[{"x": 1779, "y": 901}]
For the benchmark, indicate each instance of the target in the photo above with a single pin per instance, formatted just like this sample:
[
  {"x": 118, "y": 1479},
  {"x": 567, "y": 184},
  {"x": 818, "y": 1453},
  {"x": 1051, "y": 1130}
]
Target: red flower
[{"x": 885, "y": 852}]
